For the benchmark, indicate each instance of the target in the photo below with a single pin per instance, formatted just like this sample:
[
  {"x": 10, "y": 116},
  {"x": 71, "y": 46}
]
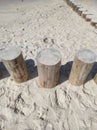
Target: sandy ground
[{"x": 27, "y": 106}]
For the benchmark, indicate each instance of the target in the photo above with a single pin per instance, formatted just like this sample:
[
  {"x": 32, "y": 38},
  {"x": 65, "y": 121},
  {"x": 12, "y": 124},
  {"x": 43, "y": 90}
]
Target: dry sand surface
[{"x": 27, "y": 106}]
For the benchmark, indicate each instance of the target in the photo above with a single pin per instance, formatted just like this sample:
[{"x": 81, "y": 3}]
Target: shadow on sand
[
  {"x": 4, "y": 71},
  {"x": 65, "y": 71},
  {"x": 92, "y": 72},
  {"x": 32, "y": 69}
]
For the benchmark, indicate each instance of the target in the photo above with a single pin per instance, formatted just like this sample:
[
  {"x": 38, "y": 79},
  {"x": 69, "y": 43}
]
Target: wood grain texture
[
  {"x": 48, "y": 74},
  {"x": 95, "y": 78},
  {"x": 17, "y": 69},
  {"x": 81, "y": 68},
  {"x": 94, "y": 22},
  {"x": 15, "y": 66},
  {"x": 0, "y": 74}
]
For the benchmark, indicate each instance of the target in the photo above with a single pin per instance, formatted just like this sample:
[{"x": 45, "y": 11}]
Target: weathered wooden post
[
  {"x": 95, "y": 78},
  {"x": 93, "y": 21},
  {"x": 82, "y": 65},
  {"x": 75, "y": 7},
  {"x": 88, "y": 17},
  {"x": 68, "y": 2},
  {"x": 80, "y": 10},
  {"x": 14, "y": 62},
  {"x": 71, "y": 3},
  {"x": 0, "y": 74},
  {"x": 48, "y": 63}
]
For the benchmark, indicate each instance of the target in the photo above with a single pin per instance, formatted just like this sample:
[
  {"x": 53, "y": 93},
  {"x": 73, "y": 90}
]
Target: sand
[{"x": 27, "y": 106}]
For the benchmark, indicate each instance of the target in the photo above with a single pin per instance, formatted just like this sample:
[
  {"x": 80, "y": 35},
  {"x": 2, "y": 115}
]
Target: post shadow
[
  {"x": 65, "y": 71},
  {"x": 32, "y": 69},
  {"x": 92, "y": 72},
  {"x": 4, "y": 71}
]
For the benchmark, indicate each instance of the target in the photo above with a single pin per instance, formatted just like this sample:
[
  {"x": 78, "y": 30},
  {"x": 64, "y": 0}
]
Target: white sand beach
[{"x": 33, "y": 26}]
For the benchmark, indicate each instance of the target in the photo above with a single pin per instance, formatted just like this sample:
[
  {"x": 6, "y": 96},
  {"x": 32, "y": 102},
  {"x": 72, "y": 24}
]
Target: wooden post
[
  {"x": 71, "y": 3},
  {"x": 82, "y": 65},
  {"x": 96, "y": 26},
  {"x": 95, "y": 78},
  {"x": 0, "y": 74},
  {"x": 48, "y": 63},
  {"x": 93, "y": 21},
  {"x": 14, "y": 62},
  {"x": 68, "y": 2},
  {"x": 84, "y": 14},
  {"x": 80, "y": 10},
  {"x": 75, "y": 7},
  {"x": 88, "y": 17}
]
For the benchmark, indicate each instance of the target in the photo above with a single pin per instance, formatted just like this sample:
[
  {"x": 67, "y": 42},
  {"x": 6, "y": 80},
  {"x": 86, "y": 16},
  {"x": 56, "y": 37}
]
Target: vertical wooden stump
[
  {"x": 80, "y": 10},
  {"x": 75, "y": 7},
  {"x": 0, "y": 74},
  {"x": 88, "y": 17},
  {"x": 93, "y": 21},
  {"x": 68, "y": 2},
  {"x": 48, "y": 63},
  {"x": 71, "y": 3},
  {"x": 95, "y": 78},
  {"x": 82, "y": 65},
  {"x": 14, "y": 62}
]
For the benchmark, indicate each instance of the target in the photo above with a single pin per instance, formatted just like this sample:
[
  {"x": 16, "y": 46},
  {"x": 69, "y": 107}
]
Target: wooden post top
[
  {"x": 86, "y": 56},
  {"x": 49, "y": 56},
  {"x": 10, "y": 53}
]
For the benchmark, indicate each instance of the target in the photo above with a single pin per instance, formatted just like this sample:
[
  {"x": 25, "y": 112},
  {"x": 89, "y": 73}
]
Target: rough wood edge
[
  {"x": 95, "y": 78},
  {"x": 0, "y": 74}
]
